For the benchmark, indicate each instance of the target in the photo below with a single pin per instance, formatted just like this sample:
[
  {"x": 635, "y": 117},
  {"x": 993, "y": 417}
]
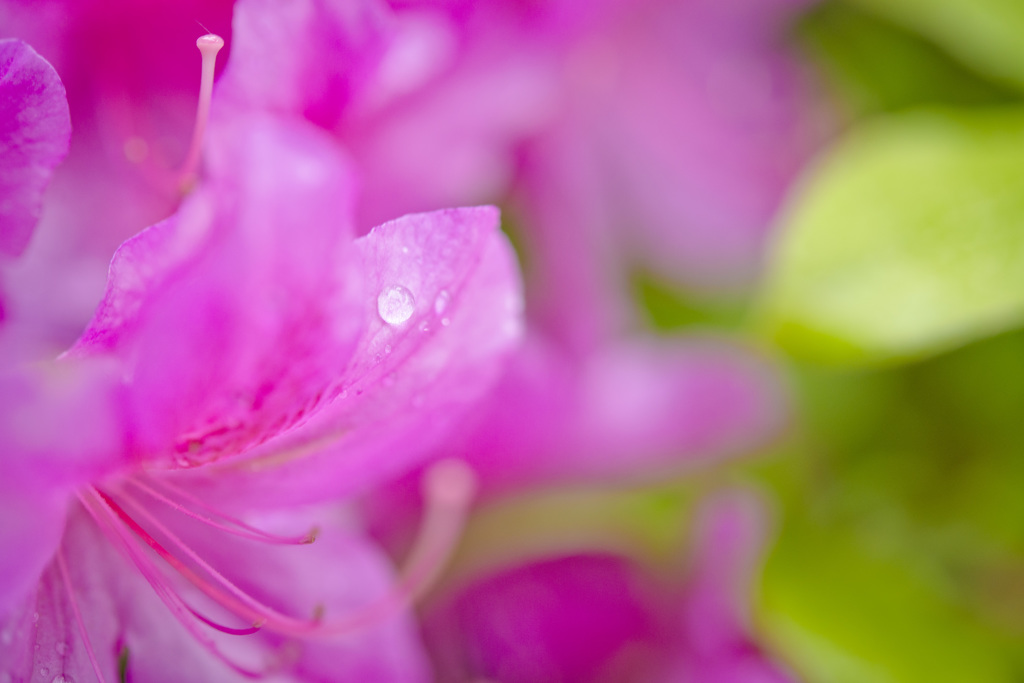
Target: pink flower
[
  {"x": 249, "y": 360},
  {"x": 600, "y": 616},
  {"x": 462, "y": 103}
]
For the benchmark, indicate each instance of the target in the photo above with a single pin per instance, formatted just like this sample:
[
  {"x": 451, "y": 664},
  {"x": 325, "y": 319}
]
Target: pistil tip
[
  {"x": 211, "y": 43},
  {"x": 450, "y": 482}
]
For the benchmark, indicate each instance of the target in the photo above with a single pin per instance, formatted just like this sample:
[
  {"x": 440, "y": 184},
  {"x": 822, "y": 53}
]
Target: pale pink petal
[
  {"x": 35, "y": 131},
  {"x": 444, "y": 302}
]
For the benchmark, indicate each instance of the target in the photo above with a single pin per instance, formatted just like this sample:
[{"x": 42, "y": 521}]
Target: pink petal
[
  {"x": 720, "y": 646},
  {"x": 31, "y": 526},
  {"x": 307, "y": 58},
  {"x": 632, "y": 411},
  {"x": 35, "y": 132},
  {"x": 237, "y": 315},
  {"x": 575, "y": 618},
  {"x": 412, "y": 379}
]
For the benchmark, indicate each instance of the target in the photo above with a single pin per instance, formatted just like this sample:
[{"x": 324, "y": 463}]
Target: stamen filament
[
  {"x": 244, "y": 530},
  {"x": 153, "y": 576},
  {"x": 66, "y": 578},
  {"x": 209, "y": 45},
  {"x": 448, "y": 490}
]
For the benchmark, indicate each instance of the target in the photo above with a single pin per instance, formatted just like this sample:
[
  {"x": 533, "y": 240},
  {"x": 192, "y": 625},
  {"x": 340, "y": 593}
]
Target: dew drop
[
  {"x": 344, "y": 393},
  {"x": 387, "y": 348},
  {"x": 441, "y": 302},
  {"x": 395, "y": 304},
  {"x": 35, "y": 616},
  {"x": 61, "y": 648},
  {"x": 43, "y": 671},
  {"x": 424, "y": 326},
  {"x": 446, "y": 322},
  {"x": 62, "y": 678}
]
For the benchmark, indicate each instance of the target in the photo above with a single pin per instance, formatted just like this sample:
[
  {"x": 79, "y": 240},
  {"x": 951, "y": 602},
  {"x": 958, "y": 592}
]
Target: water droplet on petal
[
  {"x": 61, "y": 648},
  {"x": 35, "y": 616},
  {"x": 43, "y": 671},
  {"x": 387, "y": 348},
  {"x": 344, "y": 393},
  {"x": 62, "y": 678},
  {"x": 424, "y": 326},
  {"x": 395, "y": 305},
  {"x": 446, "y": 322},
  {"x": 441, "y": 302}
]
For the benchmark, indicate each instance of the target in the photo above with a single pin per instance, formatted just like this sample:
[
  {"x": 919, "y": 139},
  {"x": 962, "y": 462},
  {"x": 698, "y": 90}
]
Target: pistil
[{"x": 209, "y": 45}]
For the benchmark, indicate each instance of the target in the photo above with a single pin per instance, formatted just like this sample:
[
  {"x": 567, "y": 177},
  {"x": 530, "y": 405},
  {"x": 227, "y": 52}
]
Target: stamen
[
  {"x": 66, "y": 578},
  {"x": 448, "y": 489},
  {"x": 244, "y": 530},
  {"x": 209, "y": 45},
  {"x": 167, "y": 594}
]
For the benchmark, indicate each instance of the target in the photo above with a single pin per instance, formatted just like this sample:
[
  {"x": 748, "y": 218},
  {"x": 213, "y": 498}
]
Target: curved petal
[
  {"x": 632, "y": 411},
  {"x": 444, "y": 300},
  {"x": 236, "y": 316},
  {"x": 35, "y": 132}
]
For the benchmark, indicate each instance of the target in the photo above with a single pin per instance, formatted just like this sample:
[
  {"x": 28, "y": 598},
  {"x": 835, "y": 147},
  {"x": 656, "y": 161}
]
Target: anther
[{"x": 209, "y": 45}]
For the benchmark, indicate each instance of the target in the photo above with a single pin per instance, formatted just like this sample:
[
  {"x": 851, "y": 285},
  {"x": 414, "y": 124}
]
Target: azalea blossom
[
  {"x": 239, "y": 369},
  {"x": 600, "y": 615}
]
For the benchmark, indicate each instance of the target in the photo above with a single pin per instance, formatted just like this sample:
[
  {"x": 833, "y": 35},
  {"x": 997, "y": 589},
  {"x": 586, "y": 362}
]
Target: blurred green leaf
[
  {"x": 849, "y": 609},
  {"x": 668, "y": 309},
  {"x": 906, "y": 240},
  {"x": 987, "y": 34},
  {"x": 875, "y": 65}
]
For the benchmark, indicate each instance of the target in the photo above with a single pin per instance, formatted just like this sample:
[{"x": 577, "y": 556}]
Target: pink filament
[
  {"x": 449, "y": 487},
  {"x": 164, "y": 591},
  {"x": 209, "y": 45},
  {"x": 66, "y": 578},
  {"x": 243, "y": 530}
]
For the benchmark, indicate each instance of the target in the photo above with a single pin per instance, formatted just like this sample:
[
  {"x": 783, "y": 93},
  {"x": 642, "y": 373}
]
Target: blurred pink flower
[
  {"x": 601, "y": 616},
  {"x": 249, "y": 358}
]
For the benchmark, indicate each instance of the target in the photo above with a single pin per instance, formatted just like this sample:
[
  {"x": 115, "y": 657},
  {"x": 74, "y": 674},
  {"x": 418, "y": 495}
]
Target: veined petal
[
  {"x": 235, "y": 317},
  {"x": 444, "y": 302},
  {"x": 35, "y": 132}
]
